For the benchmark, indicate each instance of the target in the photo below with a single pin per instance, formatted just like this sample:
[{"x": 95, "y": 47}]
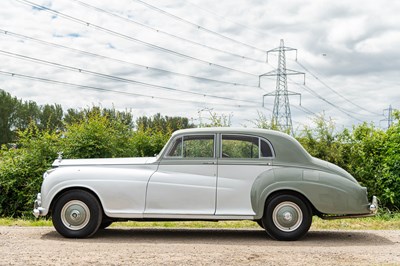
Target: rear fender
[{"x": 327, "y": 193}]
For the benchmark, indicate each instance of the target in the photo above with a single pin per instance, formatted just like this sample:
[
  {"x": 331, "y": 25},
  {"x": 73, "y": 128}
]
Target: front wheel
[
  {"x": 287, "y": 217},
  {"x": 77, "y": 214}
]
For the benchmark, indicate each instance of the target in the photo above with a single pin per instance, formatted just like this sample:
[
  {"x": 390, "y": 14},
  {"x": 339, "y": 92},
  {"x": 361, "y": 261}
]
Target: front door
[{"x": 185, "y": 182}]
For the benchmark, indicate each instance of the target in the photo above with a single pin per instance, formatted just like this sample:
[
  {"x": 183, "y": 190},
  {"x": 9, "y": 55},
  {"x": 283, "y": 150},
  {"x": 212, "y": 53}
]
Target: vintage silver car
[{"x": 204, "y": 174}]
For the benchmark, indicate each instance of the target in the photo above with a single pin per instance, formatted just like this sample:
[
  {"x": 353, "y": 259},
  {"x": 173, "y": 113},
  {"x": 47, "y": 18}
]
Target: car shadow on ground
[{"x": 226, "y": 237}]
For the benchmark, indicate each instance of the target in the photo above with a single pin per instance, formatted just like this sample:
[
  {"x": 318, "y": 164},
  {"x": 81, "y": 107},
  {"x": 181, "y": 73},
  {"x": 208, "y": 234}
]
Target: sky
[{"x": 196, "y": 57}]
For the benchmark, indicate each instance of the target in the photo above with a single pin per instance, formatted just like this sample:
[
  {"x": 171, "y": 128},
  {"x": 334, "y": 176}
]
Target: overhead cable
[
  {"x": 9, "y": 33},
  {"x": 312, "y": 92},
  {"x": 62, "y": 83},
  {"x": 334, "y": 91},
  {"x": 115, "y": 78},
  {"x": 124, "y": 36},
  {"x": 344, "y": 111},
  {"x": 165, "y": 33},
  {"x": 198, "y": 26}
]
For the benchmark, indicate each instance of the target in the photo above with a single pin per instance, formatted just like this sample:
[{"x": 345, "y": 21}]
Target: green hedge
[{"x": 371, "y": 155}]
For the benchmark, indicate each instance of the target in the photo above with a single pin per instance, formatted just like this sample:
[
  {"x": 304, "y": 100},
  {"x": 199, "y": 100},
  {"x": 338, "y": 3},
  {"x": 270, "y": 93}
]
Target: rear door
[
  {"x": 185, "y": 182},
  {"x": 242, "y": 159}
]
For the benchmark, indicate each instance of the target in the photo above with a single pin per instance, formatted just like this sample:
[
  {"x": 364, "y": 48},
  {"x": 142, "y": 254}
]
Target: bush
[
  {"x": 390, "y": 181},
  {"x": 371, "y": 155},
  {"x": 146, "y": 143},
  {"x": 21, "y": 170},
  {"x": 97, "y": 136}
]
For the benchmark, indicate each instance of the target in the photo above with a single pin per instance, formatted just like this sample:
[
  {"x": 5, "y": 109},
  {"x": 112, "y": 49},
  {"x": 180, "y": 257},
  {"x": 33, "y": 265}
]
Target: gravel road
[{"x": 150, "y": 246}]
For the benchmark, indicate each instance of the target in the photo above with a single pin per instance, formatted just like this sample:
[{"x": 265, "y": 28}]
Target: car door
[
  {"x": 242, "y": 159},
  {"x": 185, "y": 182}
]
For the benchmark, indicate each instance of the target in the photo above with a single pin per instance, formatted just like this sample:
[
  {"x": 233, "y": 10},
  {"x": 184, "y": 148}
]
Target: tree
[
  {"x": 17, "y": 115},
  {"x": 74, "y": 115},
  {"x": 163, "y": 124},
  {"x": 8, "y": 111},
  {"x": 51, "y": 117}
]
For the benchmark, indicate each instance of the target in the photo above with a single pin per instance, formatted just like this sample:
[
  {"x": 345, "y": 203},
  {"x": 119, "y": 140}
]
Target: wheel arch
[
  {"x": 68, "y": 189},
  {"x": 284, "y": 191}
]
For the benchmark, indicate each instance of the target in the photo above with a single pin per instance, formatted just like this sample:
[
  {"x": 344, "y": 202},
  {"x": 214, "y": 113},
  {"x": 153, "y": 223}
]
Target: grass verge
[{"x": 381, "y": 222}]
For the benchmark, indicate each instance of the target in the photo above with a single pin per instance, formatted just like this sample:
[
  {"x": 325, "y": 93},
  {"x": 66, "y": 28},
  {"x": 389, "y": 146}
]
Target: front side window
[
  {"x": 193, "y": 146},
  {"x": 244, "y": 147}
]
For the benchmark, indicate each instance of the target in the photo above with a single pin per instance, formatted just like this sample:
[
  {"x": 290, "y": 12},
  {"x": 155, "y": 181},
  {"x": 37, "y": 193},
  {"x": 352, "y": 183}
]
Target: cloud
[{"x": 350, "y": 46}]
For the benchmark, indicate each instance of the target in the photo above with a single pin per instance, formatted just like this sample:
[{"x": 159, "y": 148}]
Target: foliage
[
  {"x": 17, "y": 115},
  {"x": 74, "y": 116},
  {"x": 36, "y": 133},
  {"x": 215, "y": 120},
  {"x": 21, "y": 170},
  {"x": 264, "y": 122},
  {"x": 321, "y": 141},
  {"x": 8, "y": 106},
  {"x": 391, "y": 160},
  {"x": 147, "y": 143},
  {"x": 162, "y": 124},
  {"x": 97, "y": 136}
]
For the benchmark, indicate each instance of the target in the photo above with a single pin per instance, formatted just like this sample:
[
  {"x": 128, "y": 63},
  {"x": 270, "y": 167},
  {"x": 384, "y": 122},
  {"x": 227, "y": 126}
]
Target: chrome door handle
[{"x": 208, "y": 162}]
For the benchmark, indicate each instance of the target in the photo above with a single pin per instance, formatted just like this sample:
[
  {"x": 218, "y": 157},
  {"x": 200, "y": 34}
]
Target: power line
[
  {"x": 120, "y": 35},
  {"x": 164, "y": 32},
  {"x": 312, "y": 92},
  {"x": 344, "y": 111},
  {"x": 197, "y": 26},
  {"x": 62, "y": 83},
  {"x": 334, "y": 91},
  {"x": 303, "y": 109},
  {"x": 9, "y": 33},
  {"x": 111, "y": 77}
]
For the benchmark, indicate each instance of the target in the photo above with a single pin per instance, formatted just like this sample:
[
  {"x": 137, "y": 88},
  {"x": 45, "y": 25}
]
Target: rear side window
[
  {"x": 245, "y": 147},
  {"x": 266, "y": 150}
]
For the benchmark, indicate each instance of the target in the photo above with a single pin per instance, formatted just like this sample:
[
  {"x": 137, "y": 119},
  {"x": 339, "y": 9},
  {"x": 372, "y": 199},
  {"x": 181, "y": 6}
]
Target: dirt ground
[{"x": 150, "y": 246}]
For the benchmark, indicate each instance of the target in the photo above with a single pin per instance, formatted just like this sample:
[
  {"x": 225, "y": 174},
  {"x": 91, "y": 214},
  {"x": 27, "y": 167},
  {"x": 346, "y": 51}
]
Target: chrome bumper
[
  {"x": 373, "y": 209},
  {"x": 37, "y": 206},
  {"x": 373, "y": 206}
]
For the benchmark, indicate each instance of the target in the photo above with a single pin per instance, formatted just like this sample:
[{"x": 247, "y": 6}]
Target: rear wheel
[
  {"x": 77, "y": 214},
  {"x": 287, "y": 217}
]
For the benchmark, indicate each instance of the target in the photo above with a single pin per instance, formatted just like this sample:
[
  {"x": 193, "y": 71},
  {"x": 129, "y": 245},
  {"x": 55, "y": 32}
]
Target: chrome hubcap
[
  {"x": 75, "y": 215},
  {"x": 287, "y": 216}
]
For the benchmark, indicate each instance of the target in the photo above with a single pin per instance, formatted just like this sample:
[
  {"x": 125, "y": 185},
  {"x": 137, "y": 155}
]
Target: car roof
[
  {"x": 287, "y": 149},
  {"x": 241, "y": 130}
]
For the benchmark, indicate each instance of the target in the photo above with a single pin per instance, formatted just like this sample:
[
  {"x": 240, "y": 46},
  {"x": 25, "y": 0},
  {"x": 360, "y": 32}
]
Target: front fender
[
  {"x": 328, "y": 193},
  {"x": 120, "y": 190}
]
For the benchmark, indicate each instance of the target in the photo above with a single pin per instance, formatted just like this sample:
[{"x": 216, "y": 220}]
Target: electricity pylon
[
  {"x": 389, "y": 118},
  {"x": 281, "y": 115}
]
